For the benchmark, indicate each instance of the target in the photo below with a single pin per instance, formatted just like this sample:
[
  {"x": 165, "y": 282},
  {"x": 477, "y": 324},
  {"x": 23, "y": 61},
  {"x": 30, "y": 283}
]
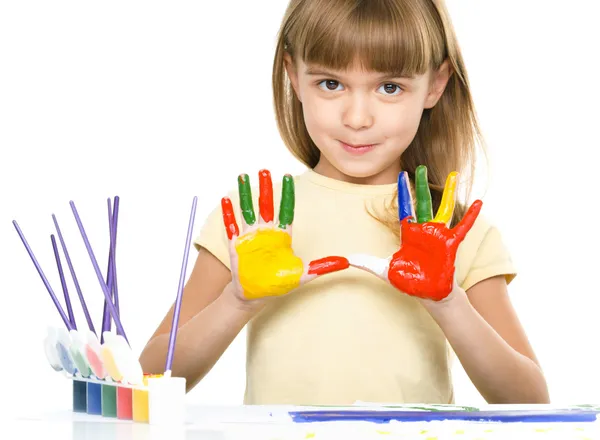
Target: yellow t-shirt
[{"x": 350, "y": 336}]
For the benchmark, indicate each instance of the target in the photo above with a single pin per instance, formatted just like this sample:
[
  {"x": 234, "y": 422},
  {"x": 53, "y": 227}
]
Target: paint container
[
  {"x": 77, "y": 351},
  {"x": 130, "y": 366},
  {"x": 119, "y": 352},
  {"x": 124, "y": 403},
  {"x": 50, "y": 349},
  {"x": 141, "y": 400},
  {"x": 109, "y": 400},
  {"x": 79, "y": 396},
  {"x": 123, "y": 366},
  {"x": 94, "y": 398},
  {"x": 93, "y": 352},
  {"x": 139, "y": 405},
  {"x": 63, "y": 344},
  {"x": 166, "y": 400},
  {"x": 109, "y": 357}
]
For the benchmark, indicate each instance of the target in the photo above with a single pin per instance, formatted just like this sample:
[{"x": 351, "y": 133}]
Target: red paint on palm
[
  {"x": 424, "y": 265},
  {"x": 327, "y": 265}
]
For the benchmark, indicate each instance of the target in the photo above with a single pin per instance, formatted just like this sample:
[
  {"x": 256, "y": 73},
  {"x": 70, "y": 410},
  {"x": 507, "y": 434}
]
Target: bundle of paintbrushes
[{"x": 107, "y": 378}]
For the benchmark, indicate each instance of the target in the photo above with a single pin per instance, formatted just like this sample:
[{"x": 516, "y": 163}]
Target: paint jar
[
  {"x": 77, "y": 351},
  {"x": 141, "y": 400},
  {"x": 63, "y": 344},
  {"x": 166, "y": 400},
  {"x": 124, "y": 402},
  {"x": 119, "y": 357},
  {"x": 79, "y": 396},
  {"x": 50, "y": 349},
  {"x": 110, "y": 358},
  {"x": 93, "y": 352},
  {"x": 109, "y": 400},
  {"x": 94, "y": 398},
  {"x": 129, "y": 365}
]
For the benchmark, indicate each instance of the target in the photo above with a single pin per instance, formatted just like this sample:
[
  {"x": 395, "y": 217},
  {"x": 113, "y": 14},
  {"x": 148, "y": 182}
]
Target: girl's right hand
[{"x": 263, "y": 263}]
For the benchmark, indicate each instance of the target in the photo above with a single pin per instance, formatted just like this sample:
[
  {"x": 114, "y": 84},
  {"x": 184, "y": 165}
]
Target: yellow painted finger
[
  {"x": 446, "y": 209},
  {"x": 267, "y": 265}
]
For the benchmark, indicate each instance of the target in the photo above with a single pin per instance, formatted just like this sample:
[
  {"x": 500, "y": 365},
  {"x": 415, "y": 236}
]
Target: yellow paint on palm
[
  {"x": 446, "y": 209},
  {"x": 267, "y": 265}
]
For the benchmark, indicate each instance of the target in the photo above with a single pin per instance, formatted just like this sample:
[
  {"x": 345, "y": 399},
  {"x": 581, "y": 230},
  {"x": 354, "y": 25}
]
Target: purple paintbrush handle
[
  {"x": 63, "y": 282},
  {"x": 103, "y": 285},
  {"x": 105, "y": 313},
  {"x": 109, "y": 276},
  {"x": 44, "y": 279},
  {"x": 177, "y": 309},
  {"x": 86, "y": 312},
  {"x": 112, "y": 265},
  {"x": 115, "y": 219}
]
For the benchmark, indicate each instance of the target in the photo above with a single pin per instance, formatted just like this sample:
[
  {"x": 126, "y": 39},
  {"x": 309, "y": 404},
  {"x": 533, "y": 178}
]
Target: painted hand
[
  {"x": 424, "y": 265},
  {"x": 263, "y": 263}
]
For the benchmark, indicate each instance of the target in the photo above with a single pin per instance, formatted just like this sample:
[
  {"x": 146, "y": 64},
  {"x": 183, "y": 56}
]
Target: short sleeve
[
  {"x": 483, "y": 254},
  {"x": 213, "y": 236}
]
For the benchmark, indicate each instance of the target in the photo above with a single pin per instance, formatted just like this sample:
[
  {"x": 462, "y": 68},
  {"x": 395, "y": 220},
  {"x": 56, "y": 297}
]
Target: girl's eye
[
  {"x": 391, "y": 89},
  {"x": 330, "y": 84}
]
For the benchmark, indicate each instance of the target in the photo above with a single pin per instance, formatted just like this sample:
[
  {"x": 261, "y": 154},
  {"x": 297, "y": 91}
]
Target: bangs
[{"x": 400, "y": 37}]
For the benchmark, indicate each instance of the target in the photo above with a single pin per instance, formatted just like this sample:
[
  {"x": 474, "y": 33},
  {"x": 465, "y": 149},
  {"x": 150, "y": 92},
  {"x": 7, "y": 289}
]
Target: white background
[{"x": 130, "y": 99}]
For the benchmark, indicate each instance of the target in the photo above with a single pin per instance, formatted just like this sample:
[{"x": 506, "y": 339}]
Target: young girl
[{"x": 363, "y": 91}]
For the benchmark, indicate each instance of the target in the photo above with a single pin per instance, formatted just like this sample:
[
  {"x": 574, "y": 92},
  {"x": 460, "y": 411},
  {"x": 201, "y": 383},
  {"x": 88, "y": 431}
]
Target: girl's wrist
[
  {"x": 448, "y": 308},
  {"x": 235, "y": 299}
]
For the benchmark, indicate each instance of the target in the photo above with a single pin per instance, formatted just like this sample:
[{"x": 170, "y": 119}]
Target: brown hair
[{"x": 409, "y": 36}]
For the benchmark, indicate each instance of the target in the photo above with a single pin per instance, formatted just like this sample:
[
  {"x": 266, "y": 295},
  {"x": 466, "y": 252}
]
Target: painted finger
[
  {"x": 424, "y": 206},
  {"x": 375, "y": 265},
  {"x": 288, "y": 201},
  {"x": 461, "y": 230},
  {"x": 446, "y": 209},
  {"x": 405, "y": 201},
  {"x": 229, "y": 218},
  {"x": 265, "y": 197},
  {"x": 246, "y": 205},
  {"x": 327, "y": 265}
]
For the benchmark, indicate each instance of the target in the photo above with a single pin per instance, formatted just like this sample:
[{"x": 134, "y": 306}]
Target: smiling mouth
[{"x": 357, "y": 149}]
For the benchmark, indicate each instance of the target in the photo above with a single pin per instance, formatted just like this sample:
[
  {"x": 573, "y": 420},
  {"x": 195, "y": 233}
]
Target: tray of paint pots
[
  {"x": 108, "y": 381},
  {"x": 107, "y": 378}
]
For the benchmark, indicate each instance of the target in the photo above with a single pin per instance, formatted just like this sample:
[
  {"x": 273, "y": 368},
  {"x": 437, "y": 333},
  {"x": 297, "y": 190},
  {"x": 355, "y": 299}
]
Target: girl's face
[{"x": 362, "y": 121}]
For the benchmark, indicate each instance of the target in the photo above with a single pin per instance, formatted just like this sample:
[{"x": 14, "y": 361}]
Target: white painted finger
[{"x": 376, "y": 265}]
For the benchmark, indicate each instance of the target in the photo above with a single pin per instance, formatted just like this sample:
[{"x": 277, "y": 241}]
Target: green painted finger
[
  {"x": 424, "y": 205},
  {"x": 246, "y": 199},
  {"x": 288, "y": 200}
]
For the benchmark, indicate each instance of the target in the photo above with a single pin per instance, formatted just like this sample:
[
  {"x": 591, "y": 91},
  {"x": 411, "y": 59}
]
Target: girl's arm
[
  {"x": 211, "y": 317},
  {"x": 486, "y": 335}
]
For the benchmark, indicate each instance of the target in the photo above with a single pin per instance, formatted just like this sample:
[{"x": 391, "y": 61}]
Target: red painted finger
[
  {"x": 327, "y": 265},
  {"x": 265, "y": 198},
  {"x": 465, "y": 225},
  {"x": 229, "y": 218}
]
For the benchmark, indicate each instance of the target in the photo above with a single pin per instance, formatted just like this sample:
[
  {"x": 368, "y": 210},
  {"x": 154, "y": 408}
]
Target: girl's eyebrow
[{"x": 319, "y": 71}]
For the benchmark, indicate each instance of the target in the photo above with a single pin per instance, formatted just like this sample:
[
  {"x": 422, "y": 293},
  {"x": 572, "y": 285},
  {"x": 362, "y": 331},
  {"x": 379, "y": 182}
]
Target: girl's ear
[
  {"x": 292, "y": 72},
  {"x": 438, "y": 84}
]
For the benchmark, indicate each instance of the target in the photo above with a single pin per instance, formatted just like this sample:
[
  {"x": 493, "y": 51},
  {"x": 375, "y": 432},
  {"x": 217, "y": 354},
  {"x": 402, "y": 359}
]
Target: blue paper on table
[{"x": 386, "y": 416}]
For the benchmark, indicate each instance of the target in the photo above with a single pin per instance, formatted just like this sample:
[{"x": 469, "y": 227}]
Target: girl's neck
[{"x": 384, "y": 177}]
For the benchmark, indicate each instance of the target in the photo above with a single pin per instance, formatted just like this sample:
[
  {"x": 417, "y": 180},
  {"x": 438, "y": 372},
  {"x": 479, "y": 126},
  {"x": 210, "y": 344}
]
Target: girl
[{"x": 363, "y": 90}]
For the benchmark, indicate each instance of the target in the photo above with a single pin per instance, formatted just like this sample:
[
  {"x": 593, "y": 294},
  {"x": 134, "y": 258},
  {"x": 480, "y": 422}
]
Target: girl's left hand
[{"x": 423, "y": 267}]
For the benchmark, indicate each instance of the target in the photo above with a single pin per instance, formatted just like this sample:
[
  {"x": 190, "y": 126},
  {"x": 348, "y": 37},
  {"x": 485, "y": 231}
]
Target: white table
[
  {"x": 204, "y": 422},
  {"x": 249, "y": 422}
]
